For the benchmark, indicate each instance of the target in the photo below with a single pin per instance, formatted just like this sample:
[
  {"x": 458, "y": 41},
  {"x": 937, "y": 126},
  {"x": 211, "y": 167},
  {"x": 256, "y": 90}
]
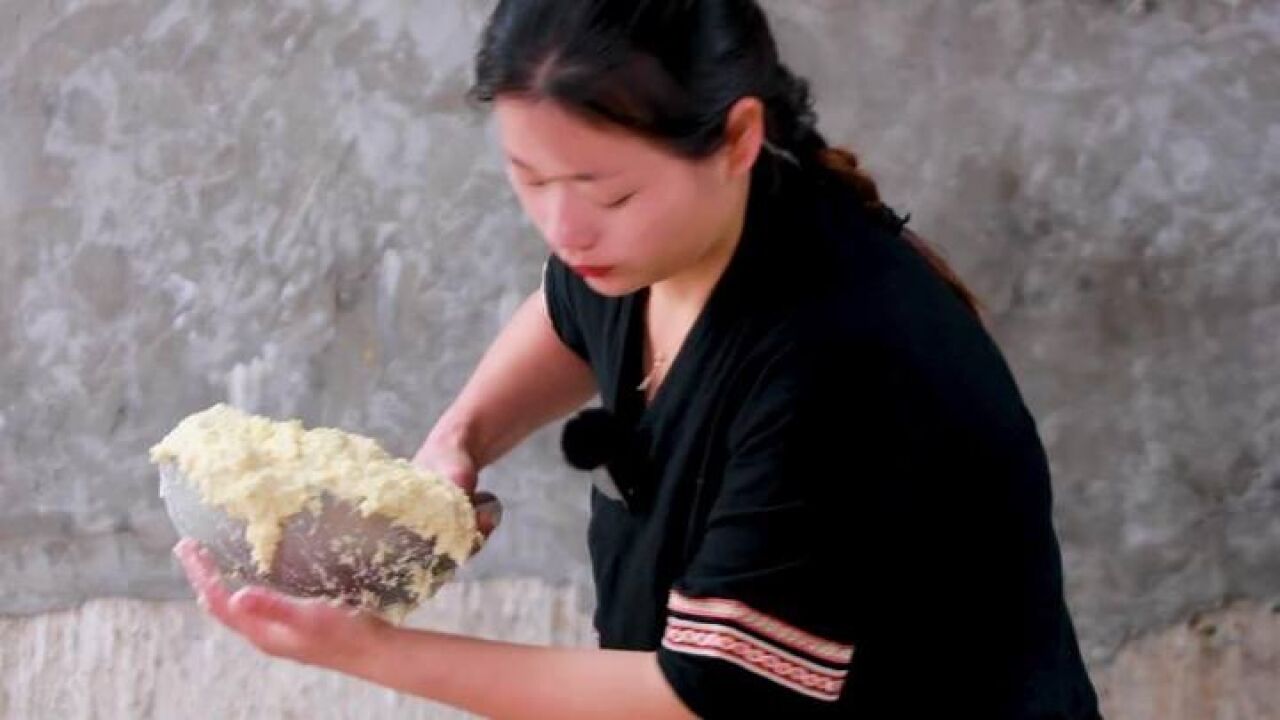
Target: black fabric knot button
[
  {"x": 592, "y": 438},
  {"x": 597, "y": 438}
]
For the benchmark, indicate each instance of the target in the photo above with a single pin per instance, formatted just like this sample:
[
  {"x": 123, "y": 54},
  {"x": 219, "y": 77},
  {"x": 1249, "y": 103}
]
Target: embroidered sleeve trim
[
  {"x": 753, "y": 657},
  {"x": 778, "y": 631},
  {"x": 759, "y": 643}
]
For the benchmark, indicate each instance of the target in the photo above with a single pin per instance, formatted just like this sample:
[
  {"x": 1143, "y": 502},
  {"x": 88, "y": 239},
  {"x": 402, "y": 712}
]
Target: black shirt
[{"x": 846, "y": 507}]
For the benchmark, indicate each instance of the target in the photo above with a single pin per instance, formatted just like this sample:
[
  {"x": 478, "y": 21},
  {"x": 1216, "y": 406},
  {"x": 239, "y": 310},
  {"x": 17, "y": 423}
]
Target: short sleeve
[
  {"x": 561, "y": 308},
  {"x": 759, "y": 623}
]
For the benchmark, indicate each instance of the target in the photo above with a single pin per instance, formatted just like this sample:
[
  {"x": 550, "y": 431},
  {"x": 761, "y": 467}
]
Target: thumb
[
  {"x": 488, "y": 512},
  {"x": 452, "y": 464}
]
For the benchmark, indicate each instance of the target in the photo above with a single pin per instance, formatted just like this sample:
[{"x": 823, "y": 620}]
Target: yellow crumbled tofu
[{"x": 263, "y": 471}]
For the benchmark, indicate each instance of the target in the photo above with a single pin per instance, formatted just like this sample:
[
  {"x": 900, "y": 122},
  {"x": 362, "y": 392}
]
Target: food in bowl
[{"x": 314, "y": 512}]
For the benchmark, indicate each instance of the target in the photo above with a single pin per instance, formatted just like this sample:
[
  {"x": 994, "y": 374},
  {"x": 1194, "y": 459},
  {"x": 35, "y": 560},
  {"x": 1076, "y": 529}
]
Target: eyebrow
[{"x": 576, "y": 177}]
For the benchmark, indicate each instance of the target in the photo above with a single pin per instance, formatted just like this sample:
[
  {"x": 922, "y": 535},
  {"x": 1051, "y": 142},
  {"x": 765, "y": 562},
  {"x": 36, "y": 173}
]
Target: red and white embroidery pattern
[
  {"x": 709, "y": 636},
  {"x": 770, "y": 627}
]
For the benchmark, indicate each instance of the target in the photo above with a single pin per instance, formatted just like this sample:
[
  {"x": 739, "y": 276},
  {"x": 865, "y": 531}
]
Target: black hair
[{"x": 670, "y": 70}]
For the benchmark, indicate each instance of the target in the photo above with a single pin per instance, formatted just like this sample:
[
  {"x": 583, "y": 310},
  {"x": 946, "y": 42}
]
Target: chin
[{"x": 612, "y": 286}]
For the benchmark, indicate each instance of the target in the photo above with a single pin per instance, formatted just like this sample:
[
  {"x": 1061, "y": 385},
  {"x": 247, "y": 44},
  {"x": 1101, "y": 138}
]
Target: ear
[{"x": 744, "y": 136}]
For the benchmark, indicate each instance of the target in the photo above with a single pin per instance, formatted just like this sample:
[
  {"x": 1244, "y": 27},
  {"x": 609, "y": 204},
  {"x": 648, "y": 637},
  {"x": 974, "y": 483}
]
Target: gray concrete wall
[{"x": 288, "y": 205}]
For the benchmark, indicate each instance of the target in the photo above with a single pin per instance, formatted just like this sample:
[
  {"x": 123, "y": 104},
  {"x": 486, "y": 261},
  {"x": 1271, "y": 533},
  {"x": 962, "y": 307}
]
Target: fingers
[
  {"x": 203, "y": 576},
  {"x": 488, "y": 512},
  {"x": 263, "y": 604},
  {"x": 278, "y": 625},
  {"x": 449, "y": 462},
  {"x": 310, "y": 631},
  {"x": 267, "y": 619}
]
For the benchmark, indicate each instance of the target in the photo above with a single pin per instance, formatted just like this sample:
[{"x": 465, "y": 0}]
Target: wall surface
[
  {"x": 288, "y": 205},
  {"x": 113, "y": 658},
  {"x": 131, "y": 659}
]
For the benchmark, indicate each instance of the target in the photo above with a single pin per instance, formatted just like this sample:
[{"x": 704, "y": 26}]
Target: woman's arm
[
  {"x": 505, "y": 680},
  {"x": 491, "y": 679},
  {"x": 527, "y": 378}
]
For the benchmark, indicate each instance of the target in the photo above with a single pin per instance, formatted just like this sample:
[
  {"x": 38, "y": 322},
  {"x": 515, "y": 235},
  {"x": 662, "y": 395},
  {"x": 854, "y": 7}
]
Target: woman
[{"x": 824, "y": 496}]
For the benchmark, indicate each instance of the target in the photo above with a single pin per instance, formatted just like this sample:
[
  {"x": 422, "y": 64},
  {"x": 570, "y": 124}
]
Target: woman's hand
[
  {"x": 452, "y": 669},
  {"x": 313, "y": 632},
  {"x": 449, "y": 460},
  {"x": 455, "y": 464}
]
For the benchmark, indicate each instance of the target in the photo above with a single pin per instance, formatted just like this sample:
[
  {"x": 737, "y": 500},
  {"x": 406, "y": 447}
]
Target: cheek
[
  {"x": 534, "y": 206},
  {"x": 678, "y": 221},
  {"x": 646, "y": 226}
]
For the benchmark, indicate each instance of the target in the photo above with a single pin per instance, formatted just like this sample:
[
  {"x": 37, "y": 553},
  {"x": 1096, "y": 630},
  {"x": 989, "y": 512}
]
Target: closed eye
[{"x": 620, "y": 201}]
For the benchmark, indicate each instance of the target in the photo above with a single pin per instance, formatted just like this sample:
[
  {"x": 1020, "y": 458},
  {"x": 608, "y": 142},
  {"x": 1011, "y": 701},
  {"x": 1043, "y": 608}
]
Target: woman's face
[{"x": 620, "y": 210}]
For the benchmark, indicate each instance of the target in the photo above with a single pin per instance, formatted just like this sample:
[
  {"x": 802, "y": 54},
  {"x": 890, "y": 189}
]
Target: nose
[{"x": 567, "y": 229}]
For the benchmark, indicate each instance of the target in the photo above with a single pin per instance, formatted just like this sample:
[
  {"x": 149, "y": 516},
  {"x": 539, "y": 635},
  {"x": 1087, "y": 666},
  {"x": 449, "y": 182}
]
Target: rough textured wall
[
  {"x": 178, "y": 664},
  {"x": 76, "y": 663},
  {"x": 287, "y": 204}
]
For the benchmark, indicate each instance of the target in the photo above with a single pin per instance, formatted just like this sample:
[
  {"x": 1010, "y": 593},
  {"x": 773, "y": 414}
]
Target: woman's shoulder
[
  {"x": 858, "y": 279},
  {"x": 867, "y": 309}
]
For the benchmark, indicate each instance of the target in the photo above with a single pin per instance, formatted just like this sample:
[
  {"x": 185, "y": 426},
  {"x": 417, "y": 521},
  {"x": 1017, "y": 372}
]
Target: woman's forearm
[
  {"x": 525, "y": 379},
  {"x": 504, "y": 680},
  {"x": 492, "y": 679}
]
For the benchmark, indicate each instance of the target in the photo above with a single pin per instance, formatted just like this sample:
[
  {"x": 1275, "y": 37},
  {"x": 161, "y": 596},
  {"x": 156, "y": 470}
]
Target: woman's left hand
[{"x": 311, "y": 631}]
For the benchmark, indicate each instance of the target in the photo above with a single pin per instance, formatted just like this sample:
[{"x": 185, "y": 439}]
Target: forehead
[{"x": 551, "y": 139}]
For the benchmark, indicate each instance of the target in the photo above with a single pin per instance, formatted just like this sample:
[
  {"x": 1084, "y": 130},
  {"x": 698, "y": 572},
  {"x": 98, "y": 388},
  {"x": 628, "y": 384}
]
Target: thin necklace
[
  {"x": 658, "y": 362},
  {"x": 659, "y": 359}
]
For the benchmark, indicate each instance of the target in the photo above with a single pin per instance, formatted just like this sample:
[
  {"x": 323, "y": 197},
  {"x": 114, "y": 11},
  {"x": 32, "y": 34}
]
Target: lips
[{"x": 591, "y": 270}]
